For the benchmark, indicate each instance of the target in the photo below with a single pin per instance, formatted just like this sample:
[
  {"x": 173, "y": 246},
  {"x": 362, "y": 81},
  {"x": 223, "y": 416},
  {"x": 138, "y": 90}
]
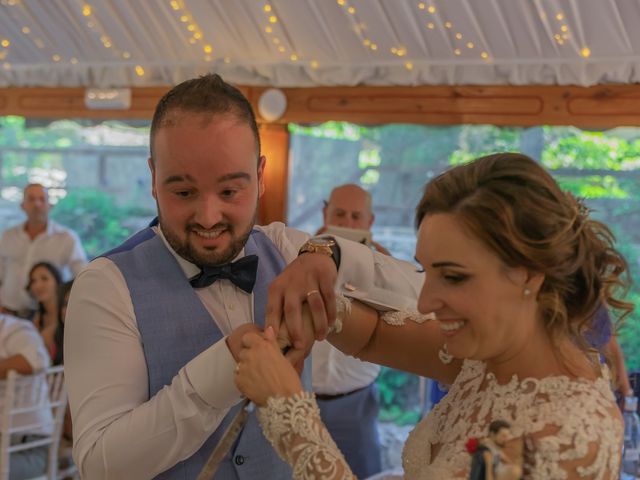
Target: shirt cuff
[
  {"x": 356, "y": 266},
  {"x": 212, "y": 376}
]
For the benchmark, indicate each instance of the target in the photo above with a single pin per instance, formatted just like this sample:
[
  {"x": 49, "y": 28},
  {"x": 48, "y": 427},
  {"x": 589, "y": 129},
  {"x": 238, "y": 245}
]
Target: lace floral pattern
[
  {"x": 294, "y": 428},
  {"x": 398, "y": 318},
  {"x": 571, "y": 427}
]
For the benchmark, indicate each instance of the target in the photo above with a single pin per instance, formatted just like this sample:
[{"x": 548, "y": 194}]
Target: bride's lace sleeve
[{"x": 294, "y": 428}]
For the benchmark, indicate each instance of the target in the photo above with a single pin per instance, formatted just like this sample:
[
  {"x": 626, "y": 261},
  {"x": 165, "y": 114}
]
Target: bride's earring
[
  {"x": 444, "y": 355},
  {"x": 526, "y": 292}
]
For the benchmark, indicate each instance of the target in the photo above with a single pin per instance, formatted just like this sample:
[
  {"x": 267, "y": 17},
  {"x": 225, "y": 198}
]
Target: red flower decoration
[{"x": 472, "y": 445}]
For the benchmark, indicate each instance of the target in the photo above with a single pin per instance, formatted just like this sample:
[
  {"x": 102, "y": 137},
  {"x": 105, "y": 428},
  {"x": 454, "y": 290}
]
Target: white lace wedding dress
[{"x": 571, "y": 429}]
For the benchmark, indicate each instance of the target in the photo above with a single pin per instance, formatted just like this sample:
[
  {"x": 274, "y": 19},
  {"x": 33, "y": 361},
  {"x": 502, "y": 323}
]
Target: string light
[
  {"x": 358, "y": 27},
  {"x": 267, "y": 8},
  {"x": 585, "y": 52},
  {"x": 448, "y": 24},
  {"x": 55, "y": 58},
  {"x": 26, "y": 30},
  {"x": 86, "y": 10},
  {"x": 5, "y": 43},
  {"x": 139, "y": 71},
  {"x": 314, "y": 64},
  {"x": 408, "y": 65}
]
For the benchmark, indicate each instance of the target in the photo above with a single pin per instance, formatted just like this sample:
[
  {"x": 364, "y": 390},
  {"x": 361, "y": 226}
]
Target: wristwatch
[{"x": 324, "y": 245}]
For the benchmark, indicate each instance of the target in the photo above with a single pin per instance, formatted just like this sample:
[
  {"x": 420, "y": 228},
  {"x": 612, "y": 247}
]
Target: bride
[{"x": 514, "y": 271}]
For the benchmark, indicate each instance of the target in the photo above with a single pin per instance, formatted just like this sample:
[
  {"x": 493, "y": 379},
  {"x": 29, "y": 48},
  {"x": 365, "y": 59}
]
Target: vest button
[{"x": 239, "y": 459}]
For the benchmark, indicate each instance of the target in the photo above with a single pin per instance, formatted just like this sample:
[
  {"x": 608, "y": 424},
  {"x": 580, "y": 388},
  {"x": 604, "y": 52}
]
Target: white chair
[{"x": 23, "y": 397}]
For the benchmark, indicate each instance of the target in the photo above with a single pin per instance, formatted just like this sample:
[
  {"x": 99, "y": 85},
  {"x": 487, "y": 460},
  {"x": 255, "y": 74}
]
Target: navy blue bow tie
[{"x": 242, "y": 273}]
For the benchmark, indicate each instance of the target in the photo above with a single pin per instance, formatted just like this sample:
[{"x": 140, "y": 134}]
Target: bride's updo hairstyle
[{"x": 516, "y": 208}]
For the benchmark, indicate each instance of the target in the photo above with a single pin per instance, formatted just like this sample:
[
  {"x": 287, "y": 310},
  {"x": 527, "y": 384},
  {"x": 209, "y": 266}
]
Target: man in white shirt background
[
  {"x": 38, "y": 239},
  {"x": 350, "y": 206},
  {"x": 344, "y": 385},
  {"x": 153, "y": 327},
  {"x": 22, "y": 350}
]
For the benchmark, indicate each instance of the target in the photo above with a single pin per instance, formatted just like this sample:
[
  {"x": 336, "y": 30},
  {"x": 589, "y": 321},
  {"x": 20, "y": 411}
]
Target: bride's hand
[{"x": 263, "y": 371}]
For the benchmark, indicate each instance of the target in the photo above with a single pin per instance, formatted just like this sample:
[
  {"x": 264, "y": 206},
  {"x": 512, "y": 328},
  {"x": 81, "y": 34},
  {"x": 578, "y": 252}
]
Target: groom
[{"x": 153, "y": 327}]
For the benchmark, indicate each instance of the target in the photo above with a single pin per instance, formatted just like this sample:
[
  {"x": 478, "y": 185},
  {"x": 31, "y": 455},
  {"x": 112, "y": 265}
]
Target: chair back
[{"x": 32, "y": 411}]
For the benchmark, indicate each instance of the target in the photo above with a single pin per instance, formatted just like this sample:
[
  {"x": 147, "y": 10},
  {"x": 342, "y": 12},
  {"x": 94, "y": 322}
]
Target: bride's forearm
[
  {"x": 357, "y": 328},
  {"x": 294, "y": 428}
]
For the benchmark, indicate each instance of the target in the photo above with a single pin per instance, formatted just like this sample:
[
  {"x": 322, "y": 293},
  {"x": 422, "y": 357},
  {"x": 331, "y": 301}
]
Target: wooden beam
[{"x": 600, "y": 106}]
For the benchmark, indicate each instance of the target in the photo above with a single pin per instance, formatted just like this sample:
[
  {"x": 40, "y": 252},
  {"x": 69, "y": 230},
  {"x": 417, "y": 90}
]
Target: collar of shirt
[
  {"x": 189, "y": 269},
  {"x": 52, "y": 228}
]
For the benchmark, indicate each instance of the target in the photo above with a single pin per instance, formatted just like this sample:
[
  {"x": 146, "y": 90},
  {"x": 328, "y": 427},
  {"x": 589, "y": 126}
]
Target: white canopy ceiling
[{"x": 287, "y": 43}]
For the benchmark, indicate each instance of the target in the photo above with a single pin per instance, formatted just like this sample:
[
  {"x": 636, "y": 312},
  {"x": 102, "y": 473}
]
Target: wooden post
[{"x": 275, "y": 146}]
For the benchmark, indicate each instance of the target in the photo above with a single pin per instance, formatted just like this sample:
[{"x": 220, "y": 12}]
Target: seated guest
[
  {"x": 22, "y": 350},
  {"x": 44, "y": 281}
]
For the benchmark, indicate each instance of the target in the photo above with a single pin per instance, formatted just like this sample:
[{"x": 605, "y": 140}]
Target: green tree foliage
[
  {"x": 398, "y": 392},
  {"x": 95, "y": 218}
]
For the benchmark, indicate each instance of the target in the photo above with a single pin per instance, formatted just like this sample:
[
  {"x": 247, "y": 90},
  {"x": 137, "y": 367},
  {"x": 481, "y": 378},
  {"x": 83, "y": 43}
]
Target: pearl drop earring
[{"x": 527, "y": 291}]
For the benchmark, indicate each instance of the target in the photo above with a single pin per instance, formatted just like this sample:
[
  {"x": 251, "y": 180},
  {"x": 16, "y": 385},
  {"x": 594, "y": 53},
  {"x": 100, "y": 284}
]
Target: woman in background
[{"x": 44, "y": 282}]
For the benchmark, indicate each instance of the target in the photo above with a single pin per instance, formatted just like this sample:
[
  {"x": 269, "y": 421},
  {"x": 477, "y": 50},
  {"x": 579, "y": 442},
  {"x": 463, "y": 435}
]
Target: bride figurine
[{"x": 514, "y": 271}]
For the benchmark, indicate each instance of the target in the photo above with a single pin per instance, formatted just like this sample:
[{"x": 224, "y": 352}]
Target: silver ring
[{"x": 312, "y": 292}]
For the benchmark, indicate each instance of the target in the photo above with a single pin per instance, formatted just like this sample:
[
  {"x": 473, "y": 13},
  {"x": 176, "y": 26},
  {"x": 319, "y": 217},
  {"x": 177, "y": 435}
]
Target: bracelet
[{"x": 343, "y": 309}]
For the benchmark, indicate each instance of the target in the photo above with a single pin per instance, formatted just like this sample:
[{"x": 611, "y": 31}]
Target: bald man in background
[
  {"x": 349, "y": 206},
  {"x": 345, "y": 386}
]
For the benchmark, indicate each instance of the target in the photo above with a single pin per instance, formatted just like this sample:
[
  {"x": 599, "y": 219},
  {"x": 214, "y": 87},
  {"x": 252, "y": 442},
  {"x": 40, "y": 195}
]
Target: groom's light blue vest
[{"x": 175, "y": 327}]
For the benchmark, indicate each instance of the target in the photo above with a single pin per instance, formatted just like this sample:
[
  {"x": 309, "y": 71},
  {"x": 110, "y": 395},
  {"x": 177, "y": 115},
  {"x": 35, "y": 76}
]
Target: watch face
[{"x": 322, "y": 242}]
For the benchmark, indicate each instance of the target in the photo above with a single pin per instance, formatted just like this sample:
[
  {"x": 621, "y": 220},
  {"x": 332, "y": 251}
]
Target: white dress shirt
[
  {"x": 20, "y": 337},
  {"x": 18, "y": 253},
  {"x": 118, "y": 432},
  {"x": 334, "y": 373}
]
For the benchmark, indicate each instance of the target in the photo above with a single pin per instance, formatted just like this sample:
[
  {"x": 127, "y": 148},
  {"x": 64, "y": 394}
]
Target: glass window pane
[{"x": 96, "y": 172}]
